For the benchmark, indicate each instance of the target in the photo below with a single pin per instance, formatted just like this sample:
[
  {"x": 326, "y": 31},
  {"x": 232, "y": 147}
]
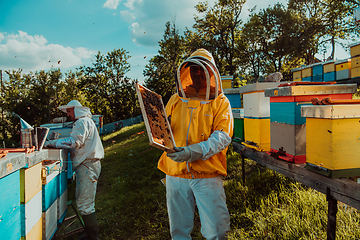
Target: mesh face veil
[{"x": 198, "y": 77}]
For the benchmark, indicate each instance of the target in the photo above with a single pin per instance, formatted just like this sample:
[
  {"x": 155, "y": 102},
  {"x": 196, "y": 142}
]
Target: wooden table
[{"x": 343, "y": 190}]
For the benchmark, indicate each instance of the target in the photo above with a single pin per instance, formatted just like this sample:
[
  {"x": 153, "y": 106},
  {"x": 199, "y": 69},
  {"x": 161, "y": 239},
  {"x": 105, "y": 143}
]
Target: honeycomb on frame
[{"x": 156, "y": 122}]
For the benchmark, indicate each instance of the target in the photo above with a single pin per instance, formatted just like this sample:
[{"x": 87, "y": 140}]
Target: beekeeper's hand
[
  {"x": 186, "y": 154},
  {"x": 50, "y": 144}
]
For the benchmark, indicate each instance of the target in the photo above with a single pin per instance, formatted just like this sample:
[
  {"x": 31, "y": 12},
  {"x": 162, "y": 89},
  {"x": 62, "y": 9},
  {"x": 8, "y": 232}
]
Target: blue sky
[{"x": 37, "y": 35}]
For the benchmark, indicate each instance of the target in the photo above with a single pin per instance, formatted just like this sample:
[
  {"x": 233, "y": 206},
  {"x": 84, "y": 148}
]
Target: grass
[{"x": 131, "y": 200}]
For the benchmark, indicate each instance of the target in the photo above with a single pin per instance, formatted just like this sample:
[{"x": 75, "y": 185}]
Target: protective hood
[
  {"x": 198, "y": 77},
  {"x": 79, "y": 110}
]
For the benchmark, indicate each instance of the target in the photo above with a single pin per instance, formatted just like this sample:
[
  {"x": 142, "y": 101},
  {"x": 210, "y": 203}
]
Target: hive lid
[
  {"x": 331, "y": 111},
  {"x": 11, "y": 163},
  {"x": 231, "y": 91},
  {"x": 310, "y": 90},
  {"x": 258, "y": 86}
]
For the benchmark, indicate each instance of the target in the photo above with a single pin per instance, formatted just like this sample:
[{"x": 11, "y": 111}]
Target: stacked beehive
[
  {"x": 234, "y": 97},
  {"x": 31, "y": 198},
  {"x": 50, "y": 178},
  {"x": 332, "y": 139},
  {"x": 287, "y": 126},
  {"x": 306, "y": 73},
  {"x": 355, "y": 60},
  {"x": 329, "y": 71},
  {"x": 296, "y": 74},
  {"x": 257, "y": 115},
  {"x": 317, "y": 72},
  {"x": 343, "y": 69},
  {"x": 10, "y": 224}
]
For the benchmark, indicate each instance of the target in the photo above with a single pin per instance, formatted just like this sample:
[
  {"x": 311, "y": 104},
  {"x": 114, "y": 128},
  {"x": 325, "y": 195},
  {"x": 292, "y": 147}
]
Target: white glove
[
  {"x": 50, "y": 144},
  {"x": 186, "y": 154}
]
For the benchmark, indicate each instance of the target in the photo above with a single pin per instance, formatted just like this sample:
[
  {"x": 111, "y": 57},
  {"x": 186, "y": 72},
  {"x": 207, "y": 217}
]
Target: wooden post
[
  {"x": 332, "y": 210},
  {"x": 243, "y": 167}
]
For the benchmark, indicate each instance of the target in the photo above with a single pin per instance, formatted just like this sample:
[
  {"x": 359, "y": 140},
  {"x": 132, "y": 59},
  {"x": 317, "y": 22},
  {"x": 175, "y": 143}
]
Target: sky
[{"x": 44, "y": 34}]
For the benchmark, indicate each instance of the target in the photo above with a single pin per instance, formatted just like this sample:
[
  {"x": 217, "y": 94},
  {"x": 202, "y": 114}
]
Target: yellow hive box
[
  {"x": 257, "y": 133},
  {"x": 333, "y": 139},
  {"x": 30, "y": 182},
  {"x": 226, "y": 84},
  {"x": 355, "y": 62},
  {"x": 297, "y": 75},
  {"x": 329, "y": 66},
  {"x": 35, "y": 233},
  {"x": 355, "y": 72},
  {"x": 306, "y": 72},
  {"x": 343, "y": 65},
  {"x": 355, "y": 50}
]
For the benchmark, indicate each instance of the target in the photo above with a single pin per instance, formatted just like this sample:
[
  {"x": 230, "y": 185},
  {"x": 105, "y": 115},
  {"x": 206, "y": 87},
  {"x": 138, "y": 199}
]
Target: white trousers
[
  {"x": 87, "y": 175},
  {"x": 208, "y": 195}
]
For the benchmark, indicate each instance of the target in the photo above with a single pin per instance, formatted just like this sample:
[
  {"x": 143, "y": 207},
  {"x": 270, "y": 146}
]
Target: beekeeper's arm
[
  {"x": 77, "y": 138},
  {"x": 217, "y": 142}
]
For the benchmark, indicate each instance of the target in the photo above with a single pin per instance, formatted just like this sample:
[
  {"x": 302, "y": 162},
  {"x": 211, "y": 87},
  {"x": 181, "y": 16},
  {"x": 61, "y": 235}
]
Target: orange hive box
[{"x": 156, "y": 122}]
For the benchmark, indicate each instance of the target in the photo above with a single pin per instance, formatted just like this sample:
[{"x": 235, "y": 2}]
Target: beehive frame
[{"x": 164, "y": 138}]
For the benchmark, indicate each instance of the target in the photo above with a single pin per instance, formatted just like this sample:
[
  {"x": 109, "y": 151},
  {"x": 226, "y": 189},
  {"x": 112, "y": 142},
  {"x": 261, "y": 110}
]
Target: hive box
[
  {"x": 343, "y": 69},
  {"x": 62, "y": 206},
  {"x": 329, "y": 71},
  {"x": 50, "y": 176},
  {"x": 288, "y": 127},
  {"x": 31, "y": 222},
  {"x": 49, "y": 221},
  {"x": 306, "y": 73},
  {"x": 10, "y": 224},
  {"x": 332, "y": 139},
  {"x": 226, "y": 82},
  {"x": 257, "y": 115},
  {"x": 317, "y": 72},
  {"x": 355, "y": 49},
  {"x": 296, "y": 74},
  {"x": 238, "y": 114}
]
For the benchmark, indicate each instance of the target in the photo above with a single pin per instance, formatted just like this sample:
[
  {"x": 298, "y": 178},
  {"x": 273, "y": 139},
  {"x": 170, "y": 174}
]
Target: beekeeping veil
[
  {"x": 190, "y": 85},
  {"x": 79, "y": 110}
]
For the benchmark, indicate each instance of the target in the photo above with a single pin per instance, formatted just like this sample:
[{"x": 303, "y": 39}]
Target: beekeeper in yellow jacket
[
  {"x": 86, "y": 150},
  {"x": 202, "y": 125}
]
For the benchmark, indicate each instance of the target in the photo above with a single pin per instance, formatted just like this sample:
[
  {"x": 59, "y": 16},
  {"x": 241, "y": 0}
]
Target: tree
[
  {"x": 108, "y": 90},
  {"x": 161, "y": 71},
  {"x": 219, "y": 27}
]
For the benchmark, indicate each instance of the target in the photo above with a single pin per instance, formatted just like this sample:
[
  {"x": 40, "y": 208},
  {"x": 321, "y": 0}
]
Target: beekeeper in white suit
[{"x": 86, "y": 150}]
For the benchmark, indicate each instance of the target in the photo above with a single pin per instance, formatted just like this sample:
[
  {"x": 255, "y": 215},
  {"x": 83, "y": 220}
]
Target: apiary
[
  {"x": 332, "y": 139},
  {"x": 296, "y": 74},
  {"x": 343, "y": 69},
  {"x": 10, "y": 224},
  {"x": 257, "y": 115},
  {"x": 287, "y": 126},
  {"x": 156, "y": 121}
]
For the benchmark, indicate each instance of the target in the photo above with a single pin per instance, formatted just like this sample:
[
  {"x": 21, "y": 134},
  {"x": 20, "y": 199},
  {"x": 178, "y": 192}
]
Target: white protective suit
[{"x": 86, "y": 150}]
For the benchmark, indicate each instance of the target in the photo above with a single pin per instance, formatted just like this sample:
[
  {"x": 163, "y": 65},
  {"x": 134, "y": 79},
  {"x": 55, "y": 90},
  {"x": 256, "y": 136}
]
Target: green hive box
[{"x": 238, "y": 114}]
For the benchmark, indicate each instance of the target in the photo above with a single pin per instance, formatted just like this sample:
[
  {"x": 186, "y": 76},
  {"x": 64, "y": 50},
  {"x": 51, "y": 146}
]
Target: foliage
[
  {"x": 109, "y": 92},
  {"x": 161, "y": 71}
]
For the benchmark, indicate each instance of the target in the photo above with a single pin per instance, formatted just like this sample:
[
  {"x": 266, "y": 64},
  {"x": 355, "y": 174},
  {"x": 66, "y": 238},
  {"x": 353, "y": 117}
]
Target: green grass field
[{"x": 131, "y": 201}]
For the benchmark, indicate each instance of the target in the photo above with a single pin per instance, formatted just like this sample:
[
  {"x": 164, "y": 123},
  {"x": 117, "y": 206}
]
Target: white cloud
[
  {"x": 128, "y": 16},
  {"x": 33, "y": 53},
  {"x": 149, "y": 18},
  {"x": 112, "y": 4}
]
